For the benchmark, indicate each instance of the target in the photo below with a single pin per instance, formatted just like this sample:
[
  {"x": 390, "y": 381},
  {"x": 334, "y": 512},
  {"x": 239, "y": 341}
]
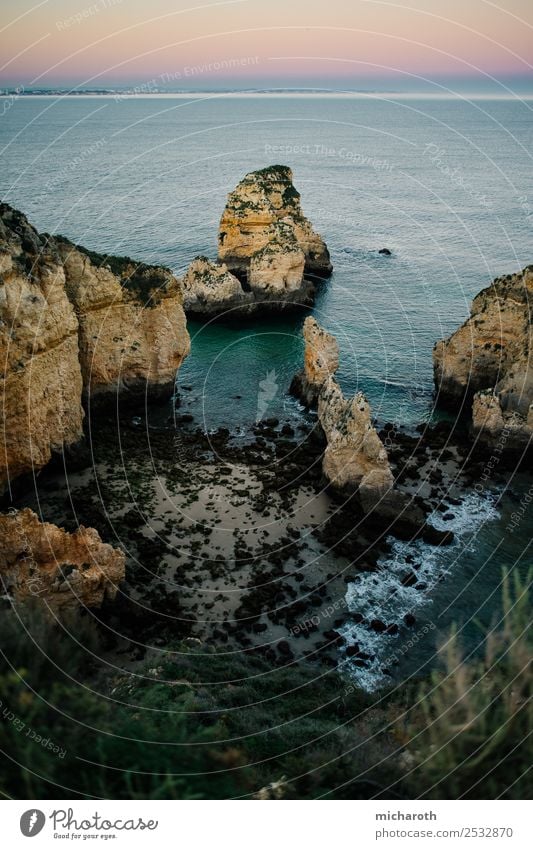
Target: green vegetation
[
  {"x": 475, "y": 720},
  {"x": 291, "y": 196},
  {"x": 280, "y": 173},
  {"x": 198, "y": 723},
  {"x": 146, "y": 283}
]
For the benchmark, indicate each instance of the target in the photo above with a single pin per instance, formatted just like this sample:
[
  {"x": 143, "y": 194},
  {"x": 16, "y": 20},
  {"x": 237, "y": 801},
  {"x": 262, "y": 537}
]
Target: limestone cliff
[
  {"x": 41, "y": 410},
  {"x": 355, "y": 457},
  {"x": 66, "y": 570},
  {"x": 321, "y": 360},
  {"x": 74, "y": 324},
  {"x": 132, "y": 329},
  {"x": 486, "y": 364},
  {"x": 252, "y": 215}
]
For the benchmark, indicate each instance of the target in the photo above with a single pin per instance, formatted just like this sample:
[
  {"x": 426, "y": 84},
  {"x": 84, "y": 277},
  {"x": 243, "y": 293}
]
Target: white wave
[{"x": 381, "y": 594}]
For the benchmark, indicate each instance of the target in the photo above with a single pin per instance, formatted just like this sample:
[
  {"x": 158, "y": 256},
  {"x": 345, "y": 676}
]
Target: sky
[{"x": 197, "y": 44}]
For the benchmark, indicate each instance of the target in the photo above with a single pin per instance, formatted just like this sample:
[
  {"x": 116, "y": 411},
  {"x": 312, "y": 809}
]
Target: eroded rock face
[
  {"x": 40, "y": 410},
  {"x": 499, "y": 428},
  {"x": 132, "y": 328},
  {"x": 74, "y": 324},
  {"x": 66, "y": 570},
  {"x": 355, "y": 458},
  {"x": 278, "y": 267},
  {"x": 486, "y": 362},
  {"x": 251, "y": 220},
  {"x": 321, "y": 361},
  {"x": 209, "y": 288},
  {"x": 275, "y": 282}
]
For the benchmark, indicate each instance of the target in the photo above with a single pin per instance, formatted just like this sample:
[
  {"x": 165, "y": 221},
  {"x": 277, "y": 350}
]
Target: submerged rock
[
  {"x": 485, "y": 365},
  {"x": 321, "y": 360},
  {"x": 40, "y": 560}
]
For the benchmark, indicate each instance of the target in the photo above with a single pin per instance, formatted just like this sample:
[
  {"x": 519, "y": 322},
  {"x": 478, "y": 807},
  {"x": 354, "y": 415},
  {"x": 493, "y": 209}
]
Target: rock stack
[
  {"x": 355, "y": 459},
  {"x": 266, "y": 247},
  {"x": 321, "y": 361}
]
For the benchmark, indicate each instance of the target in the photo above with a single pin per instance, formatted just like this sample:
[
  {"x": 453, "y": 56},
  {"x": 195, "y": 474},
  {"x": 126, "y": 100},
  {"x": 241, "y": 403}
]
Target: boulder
[
  {"x": 40, "y": 560},
  {"x": 209, "y": 289}
]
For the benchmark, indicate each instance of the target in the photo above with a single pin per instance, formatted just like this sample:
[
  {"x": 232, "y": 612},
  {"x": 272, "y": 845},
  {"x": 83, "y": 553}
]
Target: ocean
[{"x": 445, "y": 184}]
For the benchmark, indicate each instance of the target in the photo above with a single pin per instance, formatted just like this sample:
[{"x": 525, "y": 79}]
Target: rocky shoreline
[
  {"x": 250, "y": 544},
  {"x": 240, "y": 545}
]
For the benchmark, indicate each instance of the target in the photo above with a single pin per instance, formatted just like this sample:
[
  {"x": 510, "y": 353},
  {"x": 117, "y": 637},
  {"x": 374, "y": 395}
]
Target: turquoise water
[{"x": 446, "y": 185}]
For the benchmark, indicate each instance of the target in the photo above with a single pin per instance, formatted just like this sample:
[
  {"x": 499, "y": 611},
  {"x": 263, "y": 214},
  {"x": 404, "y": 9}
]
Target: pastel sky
[{"x": 264, "y": 43}]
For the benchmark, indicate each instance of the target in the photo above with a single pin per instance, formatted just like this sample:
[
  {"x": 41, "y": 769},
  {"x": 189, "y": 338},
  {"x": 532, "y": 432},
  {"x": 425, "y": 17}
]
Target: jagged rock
[
  {"x": 40, "y": 560},
  {"x": 499, "y": 428},
  {"x": 250, "y": 221},
  {"x": 434, "y": 536},
  {"x": 486, "y": 362},
  {"x": 275, "y": 282},
  {"x": 209, "y": 288},
  {"x": 265, "y": 245},
  {"x": 73, "y": 322},
  {"x": 278, "y": 267},
  {"x": 321, "y": 360},
  {"x": 355, "y": 458}
]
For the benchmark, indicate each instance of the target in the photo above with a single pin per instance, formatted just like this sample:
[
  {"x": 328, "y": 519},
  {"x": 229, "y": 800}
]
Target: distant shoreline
[{"x": 117, "y": 94}]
